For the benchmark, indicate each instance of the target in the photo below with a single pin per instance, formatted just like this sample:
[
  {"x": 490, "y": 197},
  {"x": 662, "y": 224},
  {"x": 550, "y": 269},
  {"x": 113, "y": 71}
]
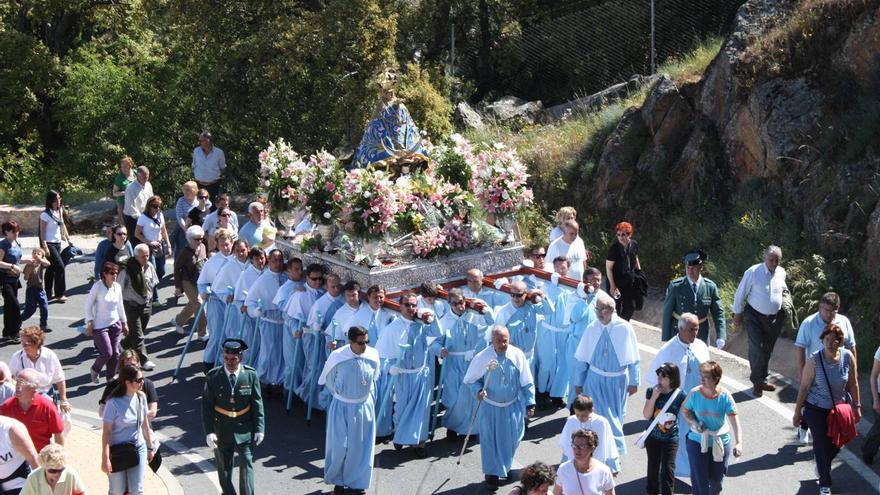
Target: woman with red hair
[{"x": 621, "y": 264}]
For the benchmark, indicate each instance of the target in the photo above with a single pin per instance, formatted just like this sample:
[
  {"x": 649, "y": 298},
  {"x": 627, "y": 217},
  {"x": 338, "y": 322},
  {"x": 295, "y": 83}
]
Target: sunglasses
[
  {"x": 539, "y": 255},
  {"x": 224, "y": 215},
  {"x": 621, "y": 234},
  {"x": 517, "y": 294},
  {"x": 579, "y": 446},
  {"x": 55, "y": 471},
  {"x": 316, "y": 278},
  {"x": 121, "y": 233},
  {"x": 138, "y": 380},
  {"x": 203, "y": 197},
  {"x": 198, "y": 238},
  {"x": 362, "y": 342},
  {"x": 409, "y": 305}
]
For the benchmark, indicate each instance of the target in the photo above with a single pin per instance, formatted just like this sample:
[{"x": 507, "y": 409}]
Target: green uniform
[
  {"x": 233, "y": 434},
  {"x": 680, "y": 299}
]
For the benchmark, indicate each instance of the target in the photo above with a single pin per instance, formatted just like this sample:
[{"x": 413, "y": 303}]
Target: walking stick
[
  {"x": 190, "y": 336},
  {"x": 314, "y": 378},
  {"x": 490, "y": 367},
  {"x": 244, "y": 316},
  {"x": 218, "y": 360},
  {"x": 402, "y": 348}
]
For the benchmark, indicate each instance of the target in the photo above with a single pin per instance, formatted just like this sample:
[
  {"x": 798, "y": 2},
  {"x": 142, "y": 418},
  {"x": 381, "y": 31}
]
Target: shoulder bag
[{"x": 841, "y": 421}]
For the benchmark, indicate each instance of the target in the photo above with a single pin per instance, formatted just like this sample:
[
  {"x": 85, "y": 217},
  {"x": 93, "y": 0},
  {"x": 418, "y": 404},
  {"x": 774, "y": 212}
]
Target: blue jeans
[
  {"x": 35, "y": 297},
  {"x": 131, "y": 480},
  {"x": 158, "y": 261},
  {"x": 706, "y": 474}
]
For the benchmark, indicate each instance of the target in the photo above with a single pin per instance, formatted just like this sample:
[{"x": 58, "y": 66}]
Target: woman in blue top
[
  {"x": 662, "y": 443},
  {"x": 707, "y": 409},
  {"x": 10, "y": 255},
  {"x": 815, "y": 401},
  {"x": 126, "y": 421}
]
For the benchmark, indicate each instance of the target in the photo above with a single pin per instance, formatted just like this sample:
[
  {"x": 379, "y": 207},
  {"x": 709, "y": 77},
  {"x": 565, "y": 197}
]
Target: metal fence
[{"x": 587, "y": 47}]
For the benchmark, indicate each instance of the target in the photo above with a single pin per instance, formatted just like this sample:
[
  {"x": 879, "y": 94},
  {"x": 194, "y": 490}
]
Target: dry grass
[{"x": 690, "y": 67}]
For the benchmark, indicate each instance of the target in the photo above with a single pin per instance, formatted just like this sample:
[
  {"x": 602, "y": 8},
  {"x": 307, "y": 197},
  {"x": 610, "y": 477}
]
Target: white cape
[
  {"x": 344, "y": 354},
  {"x": 623, "y": 339},
  {"x": 479, "y": 364},
  {"x": 675, "y": 351}
]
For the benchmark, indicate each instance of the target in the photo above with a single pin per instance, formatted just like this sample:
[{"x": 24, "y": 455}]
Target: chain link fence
[{"x": 588, "y": 46}]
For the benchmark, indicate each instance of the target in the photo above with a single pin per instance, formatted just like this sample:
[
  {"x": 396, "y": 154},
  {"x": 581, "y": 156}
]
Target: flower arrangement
[
  {"x": 320, "y": 186},
  {"x": 499, "y": 180},
  {"x": 278, "y": 164},
  {"x": 369, "y": 203}
]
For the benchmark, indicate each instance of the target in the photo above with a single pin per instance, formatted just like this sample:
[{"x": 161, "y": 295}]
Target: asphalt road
[{"x": 291, "y": 458}]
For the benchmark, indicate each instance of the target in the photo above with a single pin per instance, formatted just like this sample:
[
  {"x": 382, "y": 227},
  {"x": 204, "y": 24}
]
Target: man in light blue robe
[
  {"x": 374, "y": 317},
  {"x": 500, "y": 377},
  {"x": 610, "y": 352},
  {"x": 224, "y": 287},
  {"x": 296, "y": 312},
  {"x": 463, "y": 336},
  {"x": 407, "y": 337},
  {"x": 520, "y": 317},
  {"x": 314, "y": 344},
  {"x": 552, "y": 377},
  {"x": 687, "y": 352},
  {"x": 475, "y": 290},
  {"x": 582, "y": 315},
  {"x": 270, "y": 363},
  {"x": 350, "y": 375},
  {"x": 247, "y": 329},
  {"x": 215, "y": 309}
]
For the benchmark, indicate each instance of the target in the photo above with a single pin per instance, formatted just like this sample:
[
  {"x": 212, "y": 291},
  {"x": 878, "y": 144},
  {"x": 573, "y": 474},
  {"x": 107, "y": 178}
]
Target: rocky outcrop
[
  {"x": 468, "y": 118},
  {"x": 514, "y": 111}
]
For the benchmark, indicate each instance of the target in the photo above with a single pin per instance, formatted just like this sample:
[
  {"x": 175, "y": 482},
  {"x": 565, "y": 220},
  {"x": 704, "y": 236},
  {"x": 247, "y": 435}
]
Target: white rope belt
[
  {"x": 554, "y": 328},
  {"x": 462, "y": 353},
  {"x": 498, "y": 404},
  {"x": 311, "y": 331},
  {"x": 410, "y": 371},
  {"x": 350, "y": 401},
  {"x": 528, "y": 354},
  {"x": 272, "y": 320},
  {"x": 599, "y": 372}
]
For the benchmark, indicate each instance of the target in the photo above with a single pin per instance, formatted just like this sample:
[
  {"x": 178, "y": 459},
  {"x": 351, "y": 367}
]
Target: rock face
[
  {"x": 468, "y": 118},
  {"x": 514, "y": 111},
  {"x": 755, "y": 122}
]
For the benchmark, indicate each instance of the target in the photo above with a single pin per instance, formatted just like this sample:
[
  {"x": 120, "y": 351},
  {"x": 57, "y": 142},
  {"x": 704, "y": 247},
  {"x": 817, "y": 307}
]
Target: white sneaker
[
  {"x": 824, "y": 490},
  {"x": 180, "y": 329},
  {"x": 148, "y": 366},
  {"x": 204, "y": 338},
  {"x": 95, "y": 376},
  {"x": 804, "y": 437}
]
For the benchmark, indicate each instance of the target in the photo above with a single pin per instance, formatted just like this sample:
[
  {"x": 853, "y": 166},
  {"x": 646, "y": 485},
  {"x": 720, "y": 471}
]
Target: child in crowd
[
  {"x": 662, "y": 442},
  {"x": 35, "y": 296},
  {"x": 585, "y": 419}
]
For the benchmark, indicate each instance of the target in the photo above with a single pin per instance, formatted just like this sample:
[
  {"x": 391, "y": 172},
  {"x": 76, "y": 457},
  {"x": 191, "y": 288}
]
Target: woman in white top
[
  {"x": 34, "y": 355},
  {"x": 105, "y": 321},
  {"x": 17, "y": 455},
  {"x": 52, "y": 232},
  {"x": 224, "y": 216},
  {"x": 584, "y": 475},
  {"x": 151, "y": 231},
  {"x": 565, "y": 213}
]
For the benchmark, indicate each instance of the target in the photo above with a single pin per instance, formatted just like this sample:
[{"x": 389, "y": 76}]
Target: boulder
[
  {"x": 615, "y": 168},
  {"x": 90, "y": 217},
  {"x": 27, "y": 217},
  {"x": 861, "y": 52},
  {"x": 468, "y": 118},
  {"x": 667, "y": 114},
  {"x": 514, "y": 111},
  {"x": 595, "y": 101}
]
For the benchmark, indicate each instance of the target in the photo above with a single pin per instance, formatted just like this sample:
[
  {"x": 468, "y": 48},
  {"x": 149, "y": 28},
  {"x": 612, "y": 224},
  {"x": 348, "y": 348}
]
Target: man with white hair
[
  {"x": 499, "y": 375},
  {"x": 687, "y": 352},
  {"x": 570, "y": 247},
  {"x": 610, "y": 352},
  {"x": 474, "y": 289},
  {"x": 760, "y": 297},
  {"x": 252, "y": 231},
  {"x": 137, "y": 279},
  {"x": 187, "y": 268},
  {"x": 36, "y": 411}
]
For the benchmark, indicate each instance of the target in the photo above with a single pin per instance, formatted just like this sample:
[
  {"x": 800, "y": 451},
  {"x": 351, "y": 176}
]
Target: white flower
[{"x": 327, "y": 215}]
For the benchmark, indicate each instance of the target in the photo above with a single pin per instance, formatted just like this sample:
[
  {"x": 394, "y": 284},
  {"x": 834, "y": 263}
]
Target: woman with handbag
[
  {"x": 52, "y": 232},
  {"x": 822, "y": 400},
  {"x": 151, "y": 231},
  {"x": 661, "y": 440},
  {"x": 127, "y": 443},
  {"x": 621, "y": 266},
  {"x": 10, "y": 279}
]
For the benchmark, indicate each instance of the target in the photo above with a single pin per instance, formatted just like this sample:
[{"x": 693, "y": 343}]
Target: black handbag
[{"x": 125, "y": 455}]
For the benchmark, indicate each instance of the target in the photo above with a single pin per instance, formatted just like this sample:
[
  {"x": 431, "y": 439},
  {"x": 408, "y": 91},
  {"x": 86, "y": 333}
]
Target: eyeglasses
[
  {"x": 223, "y": 215},
  {"x": 54, "y": 471},
  {"x": 121, "y": 233},
  {"x": 622, "y": 234},
  {"x": 517, "y": 294},
  {"x": 539, "y": 255},
  {"x": 198, "y": 238},
  {"x": 203, "y": 197},
  {"x": 316, "y": 279},
  {"x": 139, "y": 380},
  {"x": 362, "y": 342},
  {"x": 603, "y": 309},
  {"x": 410, "y": 305},
  {"x": 579, "y": 446}
]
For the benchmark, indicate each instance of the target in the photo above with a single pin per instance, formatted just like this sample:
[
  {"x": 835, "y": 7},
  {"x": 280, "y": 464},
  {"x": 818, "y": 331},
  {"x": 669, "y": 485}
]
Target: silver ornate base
[{"x": 411, "y": 274}]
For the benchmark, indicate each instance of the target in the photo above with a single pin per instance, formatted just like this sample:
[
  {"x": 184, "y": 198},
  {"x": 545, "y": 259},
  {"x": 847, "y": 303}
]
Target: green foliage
[
  {"x": 690, "y": 66},
  {"x": 428, "y": 106},
  {"x": 533, "y": 225}
]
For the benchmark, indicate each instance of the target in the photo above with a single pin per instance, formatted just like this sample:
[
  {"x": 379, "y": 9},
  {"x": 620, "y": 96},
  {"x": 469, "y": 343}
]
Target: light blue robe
[
  {"x": 609, "y": 392},
  {"x": 463, "y": 338},
  {"x": 247, "y": 324},
  {"x": 412, "y": 391},
  {"x": 215, "y": 307},
  {"x": 351, "y": 425},
  {"x": 502, "y": 428},
  {"x": 553, "y": 334},
  {"x": 375, "y": 323},
  {"x": 224, "y": 286},
  {"x": 270, "y": 331},
  {"x": 522, "y": 323},
  {"x": 314, "y": 350},
  {"x": 298, "y": 304},
  {"x": 582, "y": 315}
]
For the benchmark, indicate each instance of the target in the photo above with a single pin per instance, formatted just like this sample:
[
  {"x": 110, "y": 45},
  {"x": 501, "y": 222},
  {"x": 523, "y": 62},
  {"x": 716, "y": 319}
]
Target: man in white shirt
[
  {"x": 136, "y": 195},
  {"x": 208, "y": 164},
  {"x": 759, "y": 296},
  {"x": 570, "y": 247}
]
